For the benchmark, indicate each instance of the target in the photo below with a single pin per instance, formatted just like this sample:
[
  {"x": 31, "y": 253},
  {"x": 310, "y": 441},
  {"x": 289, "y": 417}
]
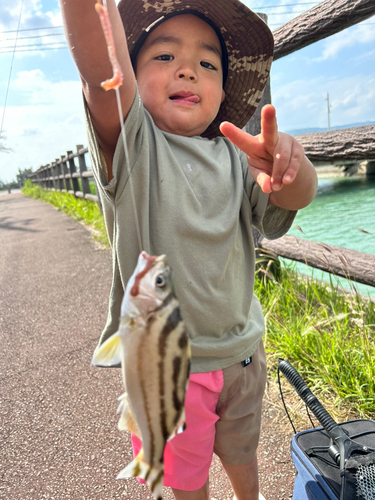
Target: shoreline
[{"x": 333, "y": 171}]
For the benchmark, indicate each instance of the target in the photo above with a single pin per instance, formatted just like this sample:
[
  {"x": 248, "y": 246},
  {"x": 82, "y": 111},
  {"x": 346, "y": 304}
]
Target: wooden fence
[
  {"x": 353, "y": 144},
  {"x": 64, "y": 175}
]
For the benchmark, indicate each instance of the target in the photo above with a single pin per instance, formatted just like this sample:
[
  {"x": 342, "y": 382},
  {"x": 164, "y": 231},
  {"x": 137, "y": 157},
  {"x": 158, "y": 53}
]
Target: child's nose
[
  {"x": 186, "y": 71},
  {"x": 187, "y": 76}
]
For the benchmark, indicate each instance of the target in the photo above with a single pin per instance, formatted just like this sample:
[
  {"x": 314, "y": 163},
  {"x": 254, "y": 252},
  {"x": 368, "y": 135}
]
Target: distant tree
[
  {"x": 3, "y": 149},
  {"x": 22, "y": 175}
]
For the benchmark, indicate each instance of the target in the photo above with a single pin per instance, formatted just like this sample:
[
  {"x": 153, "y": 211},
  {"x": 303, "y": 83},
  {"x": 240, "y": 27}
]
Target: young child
[{"x": 188, "y": 65}]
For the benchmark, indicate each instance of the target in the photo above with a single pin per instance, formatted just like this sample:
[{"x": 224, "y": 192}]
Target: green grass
[
  {"x": 79, "y": 209},
  {"x": 327, "y": 335}
]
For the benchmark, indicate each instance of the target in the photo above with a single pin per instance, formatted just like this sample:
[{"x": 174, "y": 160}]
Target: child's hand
[{"x": 275, "y": 159}]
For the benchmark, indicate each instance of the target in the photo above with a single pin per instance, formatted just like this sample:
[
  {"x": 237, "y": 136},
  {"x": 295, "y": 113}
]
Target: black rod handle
[{"x": 307, "y": 396}]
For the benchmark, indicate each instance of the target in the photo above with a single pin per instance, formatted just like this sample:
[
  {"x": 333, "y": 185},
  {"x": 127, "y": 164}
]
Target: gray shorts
[{"x": 239, "y": 409}]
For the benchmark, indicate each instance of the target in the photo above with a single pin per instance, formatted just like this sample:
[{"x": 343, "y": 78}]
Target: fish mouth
[{"x": 183, "y": 97}]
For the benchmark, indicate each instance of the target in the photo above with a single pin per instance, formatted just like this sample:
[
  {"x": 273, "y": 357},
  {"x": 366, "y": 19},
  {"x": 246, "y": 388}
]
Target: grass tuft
[{"x": 327, "y": 335}]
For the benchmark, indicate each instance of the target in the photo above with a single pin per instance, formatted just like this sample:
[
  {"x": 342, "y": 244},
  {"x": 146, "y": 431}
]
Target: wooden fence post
[
  {"x": 49, "y": 174},
  {"x": 83, "y": 168},
  {"x": 51, "y": 171},
  {"x": 60, "y": 179},
  {"x": 39, "y": 177},
  {"x": 370, "y": 167},
  {"x": 65, "y": 173},
  {"x": 44, "y": 175},
  {"x": 72, "y": 171},
  {"x": 253, "y": 125},
  {"x": 52, "y": 175}
]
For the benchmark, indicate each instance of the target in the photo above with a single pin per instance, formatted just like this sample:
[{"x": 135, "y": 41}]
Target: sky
[{"x": 40, "y": 93}]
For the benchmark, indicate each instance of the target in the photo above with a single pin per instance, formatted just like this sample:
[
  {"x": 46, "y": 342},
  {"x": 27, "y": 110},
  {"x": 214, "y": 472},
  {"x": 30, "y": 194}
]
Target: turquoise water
[{"x": 342, "y": 214}]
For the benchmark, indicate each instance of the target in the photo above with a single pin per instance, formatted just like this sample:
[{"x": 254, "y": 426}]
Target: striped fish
[{"x": 153, "y": 349}]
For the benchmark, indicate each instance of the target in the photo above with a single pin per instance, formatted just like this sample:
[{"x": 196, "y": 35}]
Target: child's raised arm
[{"x": 88, "y": 47}]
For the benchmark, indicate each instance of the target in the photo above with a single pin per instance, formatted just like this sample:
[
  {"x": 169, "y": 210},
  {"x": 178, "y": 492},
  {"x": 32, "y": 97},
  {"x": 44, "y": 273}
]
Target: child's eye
[
  {"x": 165, "y": 57},
  {"x": 207, "y": 65}
]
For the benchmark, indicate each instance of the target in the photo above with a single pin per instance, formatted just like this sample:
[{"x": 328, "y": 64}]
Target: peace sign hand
[{"x": 275, "y": 160}]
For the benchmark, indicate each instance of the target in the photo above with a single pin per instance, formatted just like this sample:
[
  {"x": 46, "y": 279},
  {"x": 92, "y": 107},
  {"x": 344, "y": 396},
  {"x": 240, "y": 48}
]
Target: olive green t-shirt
[{"x": 196, "y": 202}]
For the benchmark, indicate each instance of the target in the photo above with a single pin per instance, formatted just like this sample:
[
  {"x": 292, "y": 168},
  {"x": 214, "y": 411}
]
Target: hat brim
[{"x": 248, "y": 39}]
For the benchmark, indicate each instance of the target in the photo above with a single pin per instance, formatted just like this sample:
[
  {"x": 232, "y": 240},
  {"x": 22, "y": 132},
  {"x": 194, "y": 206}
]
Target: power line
[
  {"x": 60, "y": 34},
  {"x": 285, "y": 5},
  {"x": 253, "y": 8},
  {"x": 35, "y": 36},
  {"x": 33, "y": 29},
  {"x": 33, "y": 50},
  {"x": 32, "y": 45},
  {"x": 261, "y": 7},
  {"x": 6, "y": 51},
  {"x": 10, "y": 72}
]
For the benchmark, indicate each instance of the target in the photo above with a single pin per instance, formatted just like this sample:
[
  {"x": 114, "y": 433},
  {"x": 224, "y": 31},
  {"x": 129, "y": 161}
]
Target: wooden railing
[
  {"x": 64, "y": 175},
  {"x": 322, "y": 21},
  {"x": 350, "y": 264}
]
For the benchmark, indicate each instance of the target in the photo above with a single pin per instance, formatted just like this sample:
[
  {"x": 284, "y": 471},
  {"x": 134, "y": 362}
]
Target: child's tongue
[{"x": 187, "y": 98}]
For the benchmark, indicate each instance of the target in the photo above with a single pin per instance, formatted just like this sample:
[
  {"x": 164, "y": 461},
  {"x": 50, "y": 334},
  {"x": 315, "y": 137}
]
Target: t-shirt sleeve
[
  {"x": 271, "y": 221},
  {"x": 132, "y": 124}
]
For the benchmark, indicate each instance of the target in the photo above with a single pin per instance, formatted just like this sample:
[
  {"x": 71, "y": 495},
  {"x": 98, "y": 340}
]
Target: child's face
[{"x": 179, "y": 75}]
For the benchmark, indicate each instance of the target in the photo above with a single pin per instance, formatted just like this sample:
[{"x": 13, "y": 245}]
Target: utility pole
[{"x": 329, "y": 112}]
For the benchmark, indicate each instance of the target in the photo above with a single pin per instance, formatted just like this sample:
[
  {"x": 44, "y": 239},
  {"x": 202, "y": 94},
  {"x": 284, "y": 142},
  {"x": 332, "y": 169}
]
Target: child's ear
[{"x": 222, "y": 96}]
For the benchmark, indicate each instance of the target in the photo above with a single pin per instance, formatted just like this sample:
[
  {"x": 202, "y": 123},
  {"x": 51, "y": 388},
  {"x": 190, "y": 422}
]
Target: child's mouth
[{"x": 185, "y": 98}]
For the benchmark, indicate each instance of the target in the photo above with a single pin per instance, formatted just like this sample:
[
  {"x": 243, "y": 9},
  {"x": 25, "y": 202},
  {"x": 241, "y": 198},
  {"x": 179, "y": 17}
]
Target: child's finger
[
  {"x": 264, "y": 181},
  {"x": 287, "y": 160},
  {"x": 241, "y": 139},
  {"x": 280, "y": 164},
  {"x": 268, "y": 127}
]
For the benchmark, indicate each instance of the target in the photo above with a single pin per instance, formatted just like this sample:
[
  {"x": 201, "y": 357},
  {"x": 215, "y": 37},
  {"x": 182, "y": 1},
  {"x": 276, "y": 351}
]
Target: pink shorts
[{"x": 223, "y": 413}]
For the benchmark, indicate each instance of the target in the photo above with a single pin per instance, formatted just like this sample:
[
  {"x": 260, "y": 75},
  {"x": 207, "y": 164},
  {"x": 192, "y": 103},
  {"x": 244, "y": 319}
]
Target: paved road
[{"x": 58, "y": 423}]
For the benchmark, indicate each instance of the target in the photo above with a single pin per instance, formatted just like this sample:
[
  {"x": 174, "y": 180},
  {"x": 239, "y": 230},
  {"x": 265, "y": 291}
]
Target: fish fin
[
  {"x": 127, "y": 420},
  {"x": 180, "y": 426},
  {"x": 109, "y": 353},
  {"x": 152, "y": 475}
]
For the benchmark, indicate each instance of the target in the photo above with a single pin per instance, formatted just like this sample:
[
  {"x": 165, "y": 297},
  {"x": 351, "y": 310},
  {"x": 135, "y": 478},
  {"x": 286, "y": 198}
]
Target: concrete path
[{"x": 58, "y": 422}]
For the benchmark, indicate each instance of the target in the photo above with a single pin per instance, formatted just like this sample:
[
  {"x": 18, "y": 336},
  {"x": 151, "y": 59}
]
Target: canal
[{"x": 342, "y": 214}]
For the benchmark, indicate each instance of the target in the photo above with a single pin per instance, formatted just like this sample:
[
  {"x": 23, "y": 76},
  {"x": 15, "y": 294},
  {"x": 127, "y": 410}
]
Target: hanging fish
[{"x": 153, "y": 348}]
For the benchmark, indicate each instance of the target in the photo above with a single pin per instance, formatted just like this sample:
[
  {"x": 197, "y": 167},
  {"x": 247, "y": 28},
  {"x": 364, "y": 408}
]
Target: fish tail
[{"x": 152, "y": 475}]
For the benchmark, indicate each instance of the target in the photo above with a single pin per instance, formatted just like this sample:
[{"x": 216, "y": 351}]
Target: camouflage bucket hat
[{"x": 248, "y": 41}]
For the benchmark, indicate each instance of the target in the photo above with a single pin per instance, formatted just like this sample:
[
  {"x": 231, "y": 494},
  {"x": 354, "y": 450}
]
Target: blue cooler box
[{"x": 318, "y": 475}]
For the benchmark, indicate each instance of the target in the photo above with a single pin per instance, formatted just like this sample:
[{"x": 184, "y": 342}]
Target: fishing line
[
  {"x": 126, "y": 152},
  {"x": 10, "y": 72},
  {"x": 130, "y": 177}
]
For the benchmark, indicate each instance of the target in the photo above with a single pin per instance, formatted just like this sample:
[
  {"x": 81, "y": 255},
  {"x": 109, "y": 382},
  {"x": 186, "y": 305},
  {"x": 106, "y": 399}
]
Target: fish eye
[{"x": 160, "y": 281}]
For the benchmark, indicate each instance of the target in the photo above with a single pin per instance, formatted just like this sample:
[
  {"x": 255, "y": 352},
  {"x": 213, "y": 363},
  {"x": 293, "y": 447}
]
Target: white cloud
[
  {"x": 303, "y": 103},
  {"x": 50, "y": 123},
  {"x": 33, "y": 15},
  {"x": 359, "y": 34}
]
